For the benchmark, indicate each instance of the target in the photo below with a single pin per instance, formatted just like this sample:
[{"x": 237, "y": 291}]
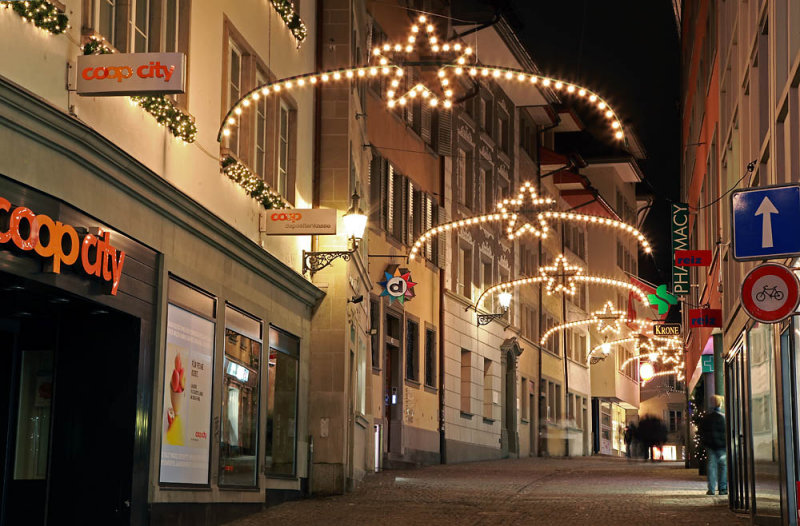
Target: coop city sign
[
  {"x": 131, "y": 74},
  {"x": 60, "y": 244}
]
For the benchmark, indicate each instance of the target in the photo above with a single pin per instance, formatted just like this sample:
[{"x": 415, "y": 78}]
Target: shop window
[
  {"x": 466, "y": 381},
  {"x": 412, "y": 351},
  {"x": 282, "y": 390},
  {"x": 375, "y": 338},
  {"x": 33, "y": 415},
  {"x": 523, "y": 399},
  {"x": 238, "y": 451},
  {"x": 430, "y": 358},
  {"x": 487, "y": 388},
  {"x": 187, "y": 385}
]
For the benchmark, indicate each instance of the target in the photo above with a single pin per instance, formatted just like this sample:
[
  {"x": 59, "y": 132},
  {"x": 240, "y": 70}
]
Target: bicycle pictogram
[{"x": 771, "y": 292}]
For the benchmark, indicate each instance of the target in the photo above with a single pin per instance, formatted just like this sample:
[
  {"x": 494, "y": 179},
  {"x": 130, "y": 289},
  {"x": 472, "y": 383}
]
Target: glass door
[{"x": 738, "y": 465}]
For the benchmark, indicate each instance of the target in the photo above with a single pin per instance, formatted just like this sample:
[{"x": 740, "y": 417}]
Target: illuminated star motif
[
  {"x": 397, "y": 285},
  {"x": 560, "y": 276},
  {"x": 608, "y": 319},
  {"x": 446, "y": 55}
]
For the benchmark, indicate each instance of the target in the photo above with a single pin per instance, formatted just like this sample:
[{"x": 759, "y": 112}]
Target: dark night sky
[{"x": 627, "y": 51}]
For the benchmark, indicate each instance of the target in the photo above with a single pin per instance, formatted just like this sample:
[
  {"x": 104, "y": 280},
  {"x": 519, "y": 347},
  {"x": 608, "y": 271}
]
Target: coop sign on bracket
[
  {"x": 131, "y": 74},
  {"x": 60, "y": 244}
]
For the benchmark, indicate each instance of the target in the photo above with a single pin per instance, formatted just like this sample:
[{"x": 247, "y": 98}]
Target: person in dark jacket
[{"x": 712, "y": 436}]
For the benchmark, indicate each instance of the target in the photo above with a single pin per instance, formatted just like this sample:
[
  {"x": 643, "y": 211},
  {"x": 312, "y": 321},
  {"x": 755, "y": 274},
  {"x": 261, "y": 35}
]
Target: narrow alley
[{"x": 552, "y": 491}]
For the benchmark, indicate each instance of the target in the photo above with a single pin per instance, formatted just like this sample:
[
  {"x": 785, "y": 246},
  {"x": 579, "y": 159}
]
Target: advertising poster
[{"x": 186, "y": 416}]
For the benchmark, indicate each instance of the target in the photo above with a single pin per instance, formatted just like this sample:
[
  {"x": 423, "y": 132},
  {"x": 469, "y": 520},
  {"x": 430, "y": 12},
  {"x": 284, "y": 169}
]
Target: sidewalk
[{"x": 575, "y": 491}]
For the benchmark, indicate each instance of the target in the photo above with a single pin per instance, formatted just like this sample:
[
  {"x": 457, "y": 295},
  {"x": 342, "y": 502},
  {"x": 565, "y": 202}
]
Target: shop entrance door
[
  {"x": 739, "y": 463},
  {"x": 69, "y": 397}
]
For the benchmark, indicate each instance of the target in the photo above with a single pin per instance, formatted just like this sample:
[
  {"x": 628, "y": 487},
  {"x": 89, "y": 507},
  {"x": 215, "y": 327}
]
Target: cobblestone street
[{"x": 595, "y": 491}]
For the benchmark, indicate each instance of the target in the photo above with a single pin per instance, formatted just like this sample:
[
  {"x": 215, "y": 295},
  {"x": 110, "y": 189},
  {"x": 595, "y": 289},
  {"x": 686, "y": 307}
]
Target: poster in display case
[{"x": 186, "y": 415}]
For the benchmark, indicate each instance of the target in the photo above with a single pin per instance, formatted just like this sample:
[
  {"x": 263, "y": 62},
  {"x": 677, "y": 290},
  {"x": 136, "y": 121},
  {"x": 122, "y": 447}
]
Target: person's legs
[
  {"x": 712, "y": 469},
  {"x": 723, "y": 471}
]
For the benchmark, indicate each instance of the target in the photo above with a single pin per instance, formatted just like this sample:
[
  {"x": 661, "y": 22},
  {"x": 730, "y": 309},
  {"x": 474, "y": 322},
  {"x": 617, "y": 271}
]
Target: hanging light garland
[
  {"x": 594, "y": 280},
  {"x": 510, "y": 210},
  {"x": 286, "y": 10},
  {"x": 40, "y": 13},
  {"x": 253, "y": 185},
  {"x": 392, "y": 58}
]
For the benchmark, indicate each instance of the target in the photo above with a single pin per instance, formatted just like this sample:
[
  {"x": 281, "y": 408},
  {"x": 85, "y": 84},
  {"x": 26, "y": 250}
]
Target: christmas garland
[
  {"x": 285, "y": 8},
  {"x": 181, "y": 124},
  {"x": 40, "y": 13},
  {"x": 253, "y": 185}
]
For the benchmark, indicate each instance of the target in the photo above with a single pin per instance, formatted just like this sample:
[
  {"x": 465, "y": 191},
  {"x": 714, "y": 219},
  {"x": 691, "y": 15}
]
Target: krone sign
[
  {"x": 300, "y": 221},
  {"x": 131, "y": 74}
]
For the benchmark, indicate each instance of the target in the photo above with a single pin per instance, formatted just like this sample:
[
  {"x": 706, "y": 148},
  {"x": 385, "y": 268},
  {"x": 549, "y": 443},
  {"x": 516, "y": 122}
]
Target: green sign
[
  {"x": 662, "y": 299},
  {"x": 680, "y": 241},
  {"x": 708, "y": 363}
]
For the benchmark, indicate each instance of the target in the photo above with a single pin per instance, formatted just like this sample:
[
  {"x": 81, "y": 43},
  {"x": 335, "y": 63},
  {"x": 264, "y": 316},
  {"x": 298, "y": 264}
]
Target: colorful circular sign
[{"x": 770, "y": 293}]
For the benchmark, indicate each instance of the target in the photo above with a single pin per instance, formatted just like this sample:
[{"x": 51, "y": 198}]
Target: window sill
[
  {"x": 377, "y": 370},
  {"x": 361, "y": 421},
  {"x": 276, "y": 476},
  {"x": 431, "y": 390},
  {"x": 523, "y": 421},
  {"x": 466, "y": 416},
  {"x": 412, "y": 383},
  {"x": 489, "y": 421}
]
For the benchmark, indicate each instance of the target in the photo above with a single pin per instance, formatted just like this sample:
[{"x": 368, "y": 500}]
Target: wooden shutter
[
  {"x": 440, "y": 258},
  {"x": 444, "y": 129},
  {"x": 425, "y": 126}
]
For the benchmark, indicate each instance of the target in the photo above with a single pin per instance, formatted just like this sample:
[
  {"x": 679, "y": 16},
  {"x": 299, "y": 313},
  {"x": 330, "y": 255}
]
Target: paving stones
[{"x": 551, "y": 491}]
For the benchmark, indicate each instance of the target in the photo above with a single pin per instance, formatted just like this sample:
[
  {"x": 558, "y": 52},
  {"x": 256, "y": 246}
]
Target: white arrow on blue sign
[{"x": 766, "y": 222}]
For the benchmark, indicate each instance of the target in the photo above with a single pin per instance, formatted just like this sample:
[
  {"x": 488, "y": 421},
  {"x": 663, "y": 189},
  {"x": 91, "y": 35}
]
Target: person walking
[
  {"x": 712, "y": 436},
  {"x": 630, "y": 431}
]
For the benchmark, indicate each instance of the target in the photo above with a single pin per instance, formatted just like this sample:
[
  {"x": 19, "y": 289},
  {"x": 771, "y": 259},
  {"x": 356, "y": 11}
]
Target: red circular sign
[{"x": 770, "y": 293}]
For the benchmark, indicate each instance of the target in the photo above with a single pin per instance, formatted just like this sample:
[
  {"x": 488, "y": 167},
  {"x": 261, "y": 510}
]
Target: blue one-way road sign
[{"x": 766, "y": 222}]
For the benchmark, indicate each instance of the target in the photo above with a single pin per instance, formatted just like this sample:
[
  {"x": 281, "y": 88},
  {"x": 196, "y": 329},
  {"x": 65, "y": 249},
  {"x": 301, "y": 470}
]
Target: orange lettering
[
  {"x": 5, "y": 205},
  {"x": 19, "y": 214}
]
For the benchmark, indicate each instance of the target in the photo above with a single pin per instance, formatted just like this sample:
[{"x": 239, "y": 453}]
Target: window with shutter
[
  {"x": 390, "y": 198},
  {"x": 444, "y": 129},
  {"x": 375, "y": 185},
  {"x": 426, "y": 124},
  {"x": 410, "y": 211}
]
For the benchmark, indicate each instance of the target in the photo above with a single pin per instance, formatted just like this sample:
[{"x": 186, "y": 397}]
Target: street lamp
[
  {"x": 505, "y": 302},
  {"x": 355, "y": 222},
  {"x": 646, "y": 371}
]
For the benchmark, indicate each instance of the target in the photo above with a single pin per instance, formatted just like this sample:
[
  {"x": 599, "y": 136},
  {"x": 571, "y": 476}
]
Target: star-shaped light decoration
[
  {"x": 608, "y": 319},
  {"x": 453, "y": 54},
  {"x": 560, "y": 276},
  {"x": 508, "y": 210},
  {"x": 397, "y": 285}
]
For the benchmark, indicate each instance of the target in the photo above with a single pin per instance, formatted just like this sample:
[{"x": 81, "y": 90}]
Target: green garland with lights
[
  {"x": 253, "y": 185},
  {"x": 40, "y": 13},
  {"x": 181, "y": 124},
  {"x": 285, "y": 8}
]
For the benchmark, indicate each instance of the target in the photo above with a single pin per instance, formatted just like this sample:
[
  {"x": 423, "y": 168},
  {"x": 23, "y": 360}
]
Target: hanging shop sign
[
  {"x": 705, "y": 318},
  {"x": 708, "y": 363},
  {"x": 692, "y": 258},
  {"x": 299, "y": 221},
  {"x": 59, "y": 244},
  {"x": 662, "y": 299},
  {"x": 764, "y": 222},
  {"x": 770, "y": 293},
  {"x": 397, "y": 284},
  {"x": 667, "y": 329},
  {"x": 131, "y": 74},
  {"x": 680, "y": 241}
]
